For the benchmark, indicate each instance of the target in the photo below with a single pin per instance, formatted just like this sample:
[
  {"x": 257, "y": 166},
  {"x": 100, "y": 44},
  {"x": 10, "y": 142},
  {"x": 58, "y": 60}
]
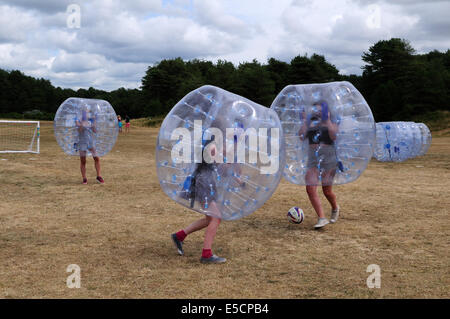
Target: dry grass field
[{"x": 395, "y": 216}]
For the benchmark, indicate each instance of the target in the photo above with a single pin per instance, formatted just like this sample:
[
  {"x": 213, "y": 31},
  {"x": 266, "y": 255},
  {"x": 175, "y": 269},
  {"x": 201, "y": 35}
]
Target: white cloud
[
  {"x": 213, "y": 14},
  {"x": 119, "y": 39},
  {"x": 342, "y": 30},
  {"x": 47, "y": 6},
  {"x": 19, "y": 56},
  {"x": 15, "y": 24},
  {"x": 81, "y": 62}
]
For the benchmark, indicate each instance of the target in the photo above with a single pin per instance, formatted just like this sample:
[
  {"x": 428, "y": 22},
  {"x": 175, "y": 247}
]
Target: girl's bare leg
[
  {"x": 210, "y": 232},
  {"x": 210, "y": 223},
  {"x": 315, "y": 200},
  {"x": 83, "y": 165},
  {"x": 312, "y": 179},
  {"x": 197, "y": 225},
  {"x": 331, "y": 197},
  {"x": 97, "y": 165},
  {"x": 328, "y": 189}
]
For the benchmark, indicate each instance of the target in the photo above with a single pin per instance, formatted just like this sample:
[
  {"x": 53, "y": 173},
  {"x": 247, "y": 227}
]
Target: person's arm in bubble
[
  {"x": 303, "y": 125},
  {"x": 79, "y": 126},
  {"x": 94, "y": 126},
  {"x": 332, "y": 128}
]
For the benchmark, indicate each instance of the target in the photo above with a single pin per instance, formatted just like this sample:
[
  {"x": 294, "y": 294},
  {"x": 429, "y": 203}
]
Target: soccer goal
[{"x": 19, "y": 136}]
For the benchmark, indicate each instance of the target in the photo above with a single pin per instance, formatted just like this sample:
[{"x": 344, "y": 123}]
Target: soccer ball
[{"x": 295, "y": 215}]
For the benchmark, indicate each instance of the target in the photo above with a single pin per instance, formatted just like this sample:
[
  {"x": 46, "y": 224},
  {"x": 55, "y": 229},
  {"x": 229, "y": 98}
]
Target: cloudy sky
[{"x": 109, "y": 44}]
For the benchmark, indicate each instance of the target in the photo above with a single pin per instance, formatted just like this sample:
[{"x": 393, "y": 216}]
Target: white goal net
[{"x": 19, "y": 136}]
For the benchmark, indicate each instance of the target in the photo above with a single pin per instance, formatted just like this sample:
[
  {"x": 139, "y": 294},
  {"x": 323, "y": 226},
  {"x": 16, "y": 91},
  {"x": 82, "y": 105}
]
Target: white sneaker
[
  {"x": 334, "y": 215},
  {"x": 321, "y": 222}
]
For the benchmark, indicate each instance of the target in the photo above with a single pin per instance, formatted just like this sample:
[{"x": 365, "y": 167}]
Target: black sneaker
[
  {"x": 213, "y": 260},
  {"x": 178, "y": 244}
]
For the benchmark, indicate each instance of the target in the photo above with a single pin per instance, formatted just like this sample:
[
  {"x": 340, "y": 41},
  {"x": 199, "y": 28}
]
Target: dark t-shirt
[{"x": 319, "y": 135}]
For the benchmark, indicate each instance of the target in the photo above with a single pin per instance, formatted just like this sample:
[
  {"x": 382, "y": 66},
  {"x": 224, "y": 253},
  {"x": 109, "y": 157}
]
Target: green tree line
[{"x": 398, "y": 83}]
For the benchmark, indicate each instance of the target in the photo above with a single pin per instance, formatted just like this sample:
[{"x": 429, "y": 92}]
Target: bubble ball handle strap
[
  {"x": 308, "y": 119},
  {"x": 191, "y": 188},
  {"x": 324, "y": 111}
]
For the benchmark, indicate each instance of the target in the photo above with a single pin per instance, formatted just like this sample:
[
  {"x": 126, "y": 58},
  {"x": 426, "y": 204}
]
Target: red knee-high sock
[
  {"x": 181, "y": 235},
  {"x": 206, "y": 253}
]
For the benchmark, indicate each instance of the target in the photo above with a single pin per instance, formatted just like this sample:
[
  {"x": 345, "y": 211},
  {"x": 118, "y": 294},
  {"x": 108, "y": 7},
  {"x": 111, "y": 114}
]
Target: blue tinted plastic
[
  {"x": 86, "y": 125},
  {"x": 325, "y": 148},
  {"x": 227, "y": 189},
  {"x": 399, "y": 141},
  {"x": 426, "y": 138}
]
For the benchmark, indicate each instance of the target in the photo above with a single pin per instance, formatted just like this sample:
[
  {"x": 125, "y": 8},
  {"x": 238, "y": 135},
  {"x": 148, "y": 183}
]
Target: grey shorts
[
  {"x": 85, "y": 141},
  {"x": 85, "y": 146},
  {"x": 323, "y": 157}
]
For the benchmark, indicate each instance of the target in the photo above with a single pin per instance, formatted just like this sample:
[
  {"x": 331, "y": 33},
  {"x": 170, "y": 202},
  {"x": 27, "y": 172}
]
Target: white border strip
[{"x": 6, "y": 121}]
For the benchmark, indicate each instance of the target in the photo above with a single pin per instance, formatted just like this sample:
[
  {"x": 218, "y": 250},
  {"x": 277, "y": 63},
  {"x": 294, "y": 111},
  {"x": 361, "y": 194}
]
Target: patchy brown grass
[{"x": 395, "y": 215}]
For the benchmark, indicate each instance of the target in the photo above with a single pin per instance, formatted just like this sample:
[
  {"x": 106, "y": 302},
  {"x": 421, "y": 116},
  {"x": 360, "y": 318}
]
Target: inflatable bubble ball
[
  {"x": 416, "y": 139},
  {"x": 329, "y": 132},
  {"x": 399, "y": 141},
  {"x": 426, "y": 138},
  {"x": 86, "y": 127},
  {"x": 220, "y": 154}
]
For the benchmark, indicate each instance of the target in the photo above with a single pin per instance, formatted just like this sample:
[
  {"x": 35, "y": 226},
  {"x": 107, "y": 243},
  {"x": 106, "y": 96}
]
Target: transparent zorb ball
[
  {"x": 329, "y": 132},
  {"x": 399, "y": 141},
  {"x": 86, "y": 125},
  {"x": 246, "y": 139}
]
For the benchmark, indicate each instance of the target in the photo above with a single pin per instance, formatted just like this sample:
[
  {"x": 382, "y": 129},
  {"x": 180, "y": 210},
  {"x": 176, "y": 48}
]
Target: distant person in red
[
  {"x": 127, "y": 124},
  {"x": 86, "y": 142}
]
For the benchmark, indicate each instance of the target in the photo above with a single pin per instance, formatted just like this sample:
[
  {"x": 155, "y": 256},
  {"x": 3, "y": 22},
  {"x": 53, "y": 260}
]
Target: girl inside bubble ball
[
  {"x": 86, "y": 142},
  {"x": 320, "y": 132},
  {"x": 201, "y": 186}
]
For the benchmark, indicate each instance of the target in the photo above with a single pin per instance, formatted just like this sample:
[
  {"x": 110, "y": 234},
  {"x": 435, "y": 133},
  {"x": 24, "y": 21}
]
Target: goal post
[{"x": 19, "y": 136}]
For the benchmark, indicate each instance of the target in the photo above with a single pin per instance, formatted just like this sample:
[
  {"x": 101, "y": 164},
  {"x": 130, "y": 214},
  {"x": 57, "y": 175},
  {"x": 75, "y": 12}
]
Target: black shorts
[
  {"x": 205, "y": 185},
  {"x": 202, "y": 187}
]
